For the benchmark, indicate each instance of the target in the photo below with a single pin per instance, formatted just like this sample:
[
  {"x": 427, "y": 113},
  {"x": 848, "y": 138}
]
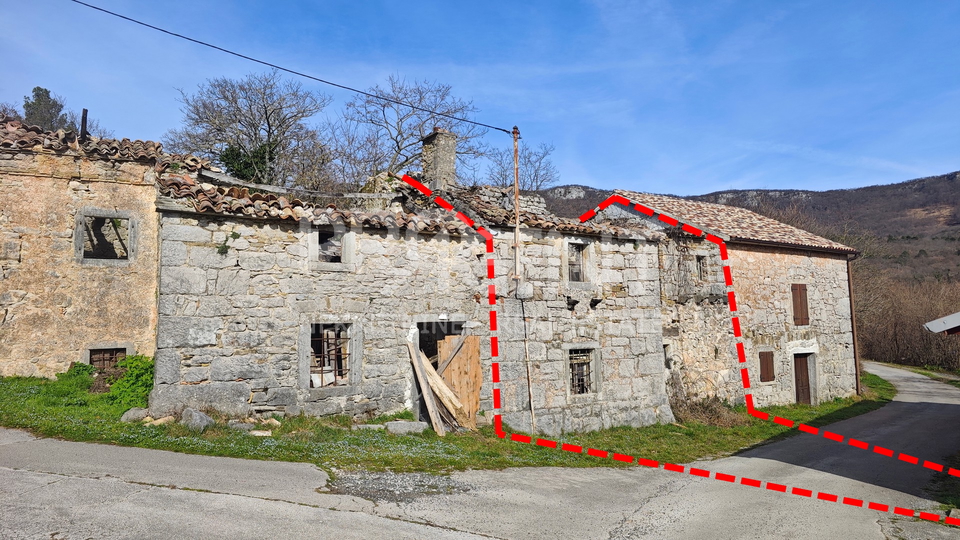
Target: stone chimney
[{"x": 439, "y": 158}]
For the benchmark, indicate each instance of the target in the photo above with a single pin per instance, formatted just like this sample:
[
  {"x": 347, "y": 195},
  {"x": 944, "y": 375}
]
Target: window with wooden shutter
[
  {"x": 801, "y": 316},
  {"x": 766, "y": 366}
]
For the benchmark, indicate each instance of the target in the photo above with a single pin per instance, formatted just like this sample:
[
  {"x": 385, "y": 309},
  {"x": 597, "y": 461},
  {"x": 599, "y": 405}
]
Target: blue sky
[{"x": 667, "y": 97}]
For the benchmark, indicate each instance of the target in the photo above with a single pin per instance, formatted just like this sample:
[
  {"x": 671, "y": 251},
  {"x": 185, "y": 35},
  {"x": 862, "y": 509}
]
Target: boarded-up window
[
  {"x": 581, "y": 377},
  {"x": 766, "y": 366},
  {"x": 330, "y": 347},
  {"x": 801, "y": 316},
  {"x": 106, "y": 358},
  {"x": 331, "y": 246},
  {"x": 575, "y": 262},
  {"x": 105, "y": 238}
]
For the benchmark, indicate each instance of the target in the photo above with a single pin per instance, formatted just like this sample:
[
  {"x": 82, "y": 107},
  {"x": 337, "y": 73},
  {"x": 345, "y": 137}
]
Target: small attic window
[
  {"x": 575, "y": 262},
  {"x": 331, "y": 246},
  {"x": 106, "y": 238}
]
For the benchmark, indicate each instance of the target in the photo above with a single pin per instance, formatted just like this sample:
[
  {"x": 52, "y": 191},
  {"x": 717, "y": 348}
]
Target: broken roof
[
  {"x": 237, "y": 201},
  {"x": 15, "y": 135},
  {"x": 493, "y": 206},
  {"x": 737, "y": 224}
]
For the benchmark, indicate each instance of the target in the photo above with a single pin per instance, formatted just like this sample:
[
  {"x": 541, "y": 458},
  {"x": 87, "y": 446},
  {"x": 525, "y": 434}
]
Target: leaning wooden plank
[
  {"x": 445, "y": 360},
  {"x": 446, "y": 395},
  {"x": 418, "y": 369}
]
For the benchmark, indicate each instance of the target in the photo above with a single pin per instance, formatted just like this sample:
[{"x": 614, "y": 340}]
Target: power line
[{"x": 293, "y": 72}]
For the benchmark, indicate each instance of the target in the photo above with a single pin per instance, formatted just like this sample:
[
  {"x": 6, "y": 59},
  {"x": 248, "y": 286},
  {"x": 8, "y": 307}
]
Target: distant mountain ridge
[{"x": 916, "y": 223}]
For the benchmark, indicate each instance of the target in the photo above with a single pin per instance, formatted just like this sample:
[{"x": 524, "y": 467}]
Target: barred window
[
  {"x": 106, "y": 358},
  {"x": 331, "y": 352},
  {"x": 581, "y": 378}
]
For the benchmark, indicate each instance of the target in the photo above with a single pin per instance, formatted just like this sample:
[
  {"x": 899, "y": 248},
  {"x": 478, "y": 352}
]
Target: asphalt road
[{"x": 57, "y": 489}]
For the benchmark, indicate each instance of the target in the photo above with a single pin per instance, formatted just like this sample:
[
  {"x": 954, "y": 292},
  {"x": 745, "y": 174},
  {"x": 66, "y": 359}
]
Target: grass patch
[{"x": 64, "y": 408}]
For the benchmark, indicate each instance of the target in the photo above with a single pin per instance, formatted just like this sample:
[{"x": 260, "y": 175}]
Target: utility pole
[{"x": 516, "y": 269}]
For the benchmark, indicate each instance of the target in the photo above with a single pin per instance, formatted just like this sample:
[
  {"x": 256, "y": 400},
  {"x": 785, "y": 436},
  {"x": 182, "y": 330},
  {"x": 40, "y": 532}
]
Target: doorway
[{"x": 801, "y": 373}]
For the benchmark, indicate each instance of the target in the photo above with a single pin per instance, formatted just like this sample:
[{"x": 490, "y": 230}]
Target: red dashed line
[
  {"x": 883, "y": 451},
  {"x": 643, "y": 209},
  {"x": 859, "y": 444},
  {"x": 546, "y": 443},
  {"x": 833, "y": 436},
  {"x": 668, "y": 220},
  {"x": 443, "y": 203},
  {"x": 517, "y": 437},
  {"x": 750, "y": 482},
  {"x": 908, "y": 459},
  {"x": 783, "y": 421},
  {"x": 466, "y": 220}
]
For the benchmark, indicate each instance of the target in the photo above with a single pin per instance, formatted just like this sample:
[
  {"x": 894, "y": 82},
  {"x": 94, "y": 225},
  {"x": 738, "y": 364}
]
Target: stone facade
[
  {"x": 59, "y": 297},
  {"x": 235, "y": 323},
  {"x": 762, "y": 277}
]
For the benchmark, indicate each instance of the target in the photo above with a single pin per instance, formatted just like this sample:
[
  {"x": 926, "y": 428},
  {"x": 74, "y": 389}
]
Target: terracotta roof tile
[
  {"x": 209, "y": 198},
  {"x": 16, "y": 135},
  {"x": 733, "y": 222}
]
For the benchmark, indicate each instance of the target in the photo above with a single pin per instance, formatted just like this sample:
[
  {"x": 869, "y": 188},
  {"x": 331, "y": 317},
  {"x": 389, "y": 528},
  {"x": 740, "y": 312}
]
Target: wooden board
[
  {"x": 425, "y": 389},
  {"x": 463, "y": 374}
]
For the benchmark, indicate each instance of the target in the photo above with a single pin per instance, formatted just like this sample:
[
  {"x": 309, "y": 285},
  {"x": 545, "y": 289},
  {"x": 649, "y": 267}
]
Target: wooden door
[
  {"x": 802, "y": 377},
  {"x": 463, "y": 375}
]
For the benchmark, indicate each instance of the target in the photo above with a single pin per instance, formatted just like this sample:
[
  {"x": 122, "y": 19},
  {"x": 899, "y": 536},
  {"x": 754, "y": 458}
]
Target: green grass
[{"x": 64, "y": 409}]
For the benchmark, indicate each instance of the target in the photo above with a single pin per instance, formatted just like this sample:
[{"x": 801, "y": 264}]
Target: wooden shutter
[
  {"x": 801, "y": 316},
  {"x": 766, "y": 366}
]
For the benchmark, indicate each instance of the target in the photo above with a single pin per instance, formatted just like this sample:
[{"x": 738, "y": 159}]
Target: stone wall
[
  {"x": 699, "y": 346},
  {"x": 762, "y": 277},
  {"x": 235, "y": 327},
  {"x": 55, "y": 303},
  {"x": 614, "y": 312}
]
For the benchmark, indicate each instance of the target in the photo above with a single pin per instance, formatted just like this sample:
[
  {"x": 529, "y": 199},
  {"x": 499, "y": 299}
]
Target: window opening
[
  {"x": 330, "y": 346},
  {"x": 105, "y": 238},
  {"x": 581, "y": 381},
  {"x": 103, "y": 359},
  {"x": 801, "y": 315},
  {"x": 331, "y": 246},
  {"x": 575, "y": 262},
  {"x": 766, "y": 366},
  {"x": 701, "y": 267}
]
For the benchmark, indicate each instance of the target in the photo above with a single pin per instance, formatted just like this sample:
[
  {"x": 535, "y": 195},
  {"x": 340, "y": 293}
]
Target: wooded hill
[{"x": 911, "y": 229}]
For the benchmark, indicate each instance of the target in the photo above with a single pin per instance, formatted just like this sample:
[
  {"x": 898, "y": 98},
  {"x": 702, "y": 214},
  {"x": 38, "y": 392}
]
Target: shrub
[{"x": 133, "y": 388}]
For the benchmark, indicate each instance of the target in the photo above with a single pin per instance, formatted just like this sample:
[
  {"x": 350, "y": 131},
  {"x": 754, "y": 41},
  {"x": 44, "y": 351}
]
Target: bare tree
[
  {"x": 9, "y": 110},
  {"x": 536, "y": 170},
  {"x": 374, "y": 135},
  {"x": 256, "y": 128}
]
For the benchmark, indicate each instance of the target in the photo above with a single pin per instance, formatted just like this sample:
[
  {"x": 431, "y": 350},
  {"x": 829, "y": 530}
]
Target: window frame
[
  {"x": 342, "y": 358},
  {"x": 595, "y": 378},
  {"x": 79, "y": 235},
  {"x": 348, "y": 249},
  {"x": 354, "y": 363}
]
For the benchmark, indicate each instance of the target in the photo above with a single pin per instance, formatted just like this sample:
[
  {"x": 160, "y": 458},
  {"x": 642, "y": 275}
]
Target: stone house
[
  {"x": 252, "y": 300},
  {"x": 794, "y": 306}
]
